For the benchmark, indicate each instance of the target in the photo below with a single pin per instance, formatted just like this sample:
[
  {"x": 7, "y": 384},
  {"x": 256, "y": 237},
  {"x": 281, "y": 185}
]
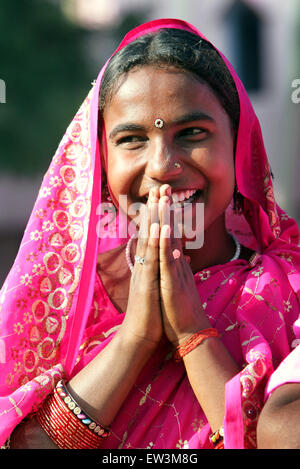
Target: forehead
[{"x": 149, "y": 92}]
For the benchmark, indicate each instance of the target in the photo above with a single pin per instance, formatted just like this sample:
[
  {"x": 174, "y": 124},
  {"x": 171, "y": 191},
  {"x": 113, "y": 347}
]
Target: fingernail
[{"x": 176, "y": 254}]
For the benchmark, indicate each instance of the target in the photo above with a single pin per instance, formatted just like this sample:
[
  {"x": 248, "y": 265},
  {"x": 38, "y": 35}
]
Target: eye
[
  {"x": 192, "y": 133},
  {"x": 131, "y": 142}
]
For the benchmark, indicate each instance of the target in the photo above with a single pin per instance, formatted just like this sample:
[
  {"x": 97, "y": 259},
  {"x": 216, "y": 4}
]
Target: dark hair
[{"x": 177, "y": 48}]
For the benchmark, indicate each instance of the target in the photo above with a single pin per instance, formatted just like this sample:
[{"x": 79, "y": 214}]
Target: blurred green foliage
[
  {"x": 45, "y": 66},
  {"x": 42, "y": 64}
]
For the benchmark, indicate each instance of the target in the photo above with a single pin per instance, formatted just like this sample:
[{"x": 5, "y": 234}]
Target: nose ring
[
  {"x": 159, "y": 123},
  {"x": 177, "y": 165}
]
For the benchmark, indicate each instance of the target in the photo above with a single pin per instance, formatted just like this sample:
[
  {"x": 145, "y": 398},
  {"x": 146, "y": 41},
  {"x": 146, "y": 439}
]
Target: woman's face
[{"x": 196, "y": 134}]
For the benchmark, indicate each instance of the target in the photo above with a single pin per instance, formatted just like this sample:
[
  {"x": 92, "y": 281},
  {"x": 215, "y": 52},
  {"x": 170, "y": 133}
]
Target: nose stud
[{"x": 159, "y": 123}]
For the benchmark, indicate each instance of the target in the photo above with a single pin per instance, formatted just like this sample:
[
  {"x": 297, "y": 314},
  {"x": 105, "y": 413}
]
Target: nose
[{"x": 163, "y": 162}]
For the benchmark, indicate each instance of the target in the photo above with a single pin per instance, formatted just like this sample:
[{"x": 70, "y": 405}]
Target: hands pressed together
[{"x": 163, "y": 298}]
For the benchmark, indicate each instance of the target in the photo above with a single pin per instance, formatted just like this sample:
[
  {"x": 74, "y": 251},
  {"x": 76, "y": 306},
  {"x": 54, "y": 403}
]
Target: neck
[{"x": 218, "y": 247}]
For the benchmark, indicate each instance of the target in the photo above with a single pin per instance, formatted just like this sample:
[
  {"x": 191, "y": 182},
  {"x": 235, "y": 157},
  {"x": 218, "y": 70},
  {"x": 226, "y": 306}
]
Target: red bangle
[
  {"x": 66, "y": 424},
  {"x": 193, "y": 342}
]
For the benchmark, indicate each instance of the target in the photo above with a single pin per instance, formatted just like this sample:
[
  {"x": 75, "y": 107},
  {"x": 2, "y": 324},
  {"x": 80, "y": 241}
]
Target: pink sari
[{"x": 55, "y": 314}]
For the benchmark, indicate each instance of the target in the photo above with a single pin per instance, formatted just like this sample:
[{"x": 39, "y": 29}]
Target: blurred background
[{"x": 52, "y": 50}]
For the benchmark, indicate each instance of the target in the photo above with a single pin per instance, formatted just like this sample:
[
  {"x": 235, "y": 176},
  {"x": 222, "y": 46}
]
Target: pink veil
[{"x": 47, "y": 296}]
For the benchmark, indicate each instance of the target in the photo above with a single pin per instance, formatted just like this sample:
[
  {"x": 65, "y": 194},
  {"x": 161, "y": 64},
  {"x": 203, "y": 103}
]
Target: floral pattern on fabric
[
  {"x": 56, "y": 238},
  {"x": 253, "y": 380}
]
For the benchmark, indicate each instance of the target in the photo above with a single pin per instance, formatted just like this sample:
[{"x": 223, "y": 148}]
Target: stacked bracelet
[
  {"x": 216, "y": 439},
  {"x": 193, "y": 342},
  {"x": 67, "y": 424},
  {"x": 79, "y": 413}
]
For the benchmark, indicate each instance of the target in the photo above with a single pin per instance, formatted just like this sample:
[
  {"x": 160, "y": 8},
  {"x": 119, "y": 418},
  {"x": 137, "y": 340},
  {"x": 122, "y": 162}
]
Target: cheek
[
  {"x": 115, "y": 179},
  {"x": 223, "y": 162},
  {"x": 221, "y": 176},
  {"x": 225, "y": 178},
  {"x": 227, "y": 171},
  {"x": 120, "y": 176},
  {"x": 113, "y": 174}
]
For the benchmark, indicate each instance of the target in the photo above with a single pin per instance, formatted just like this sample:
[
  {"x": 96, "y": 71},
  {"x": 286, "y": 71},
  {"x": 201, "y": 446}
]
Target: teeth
[{"x": 182, "y": 195}]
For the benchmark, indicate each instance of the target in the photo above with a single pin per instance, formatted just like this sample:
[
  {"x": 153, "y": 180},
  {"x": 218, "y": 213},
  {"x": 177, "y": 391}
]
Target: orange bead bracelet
[{"x": 192, "y": 342}]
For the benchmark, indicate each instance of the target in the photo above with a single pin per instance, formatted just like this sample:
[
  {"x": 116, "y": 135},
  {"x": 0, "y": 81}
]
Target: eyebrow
[
  {"x": 127, "y": 127},
  {"x": 189, "y": 117},
  {"x": 193, "y": 116}
]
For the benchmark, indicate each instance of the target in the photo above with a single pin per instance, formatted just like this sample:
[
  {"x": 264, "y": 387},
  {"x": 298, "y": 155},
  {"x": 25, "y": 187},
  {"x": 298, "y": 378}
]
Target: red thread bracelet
[{"x": 192, "y": 342}]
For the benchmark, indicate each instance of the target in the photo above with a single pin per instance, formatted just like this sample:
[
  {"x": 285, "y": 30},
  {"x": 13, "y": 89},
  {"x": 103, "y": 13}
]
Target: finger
[
  {"x": 165, "y": 231},
  {"x": 164, "y": 210},
  {"x": 149, "y": 234},
  {"x": 170, "y": 246},
  {"x": 178, "y": 255},
  {"x": 182, "y": 261},
  {"x": 142, "y": 236},
  {"x": 154, "y": 194},
  {"x": 176, "y": 249},
  {"x": 165, "y": 244},
  {"x": 165, "y": 190},
  {"x": 151, "y": 256},
  {"x": 178, "y": 252},
  {"x": 153, "y": 239},
  {"x": 148, "y": 213},
  {"x": 153, "y": 207},
  {"x": 151, "y": 263}
]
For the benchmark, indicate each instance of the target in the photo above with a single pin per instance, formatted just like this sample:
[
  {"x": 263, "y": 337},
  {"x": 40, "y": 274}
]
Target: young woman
[{"x": 146, "y": 337}]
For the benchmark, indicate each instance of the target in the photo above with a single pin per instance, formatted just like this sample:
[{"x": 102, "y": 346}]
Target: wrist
[
  {"x": 185, "y": 335},
  {"x": 193, "y": 342},
  {"x": 134, "y": 343}
]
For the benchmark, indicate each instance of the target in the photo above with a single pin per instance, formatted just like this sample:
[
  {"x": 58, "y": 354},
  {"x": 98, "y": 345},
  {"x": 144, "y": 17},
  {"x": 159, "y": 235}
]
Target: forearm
[
  {"x": 100, "y": 388},
  {"x": 103, "y": 385},
  {"x": 279, "y": 422},
  {"x": 209, "y": 366}
]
